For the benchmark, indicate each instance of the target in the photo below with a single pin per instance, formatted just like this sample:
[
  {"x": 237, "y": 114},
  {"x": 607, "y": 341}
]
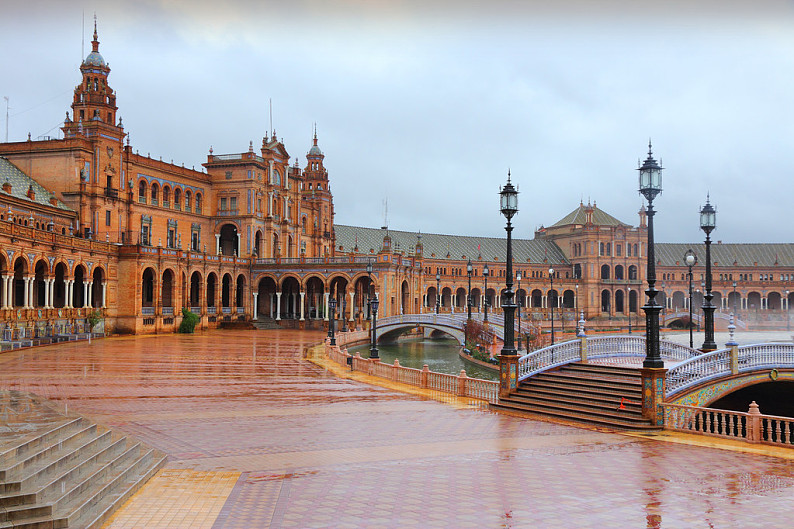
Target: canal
[{"x": 440, "y": 355}]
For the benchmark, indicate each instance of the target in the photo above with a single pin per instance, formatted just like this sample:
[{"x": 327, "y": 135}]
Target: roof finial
[
  {"x": 95, "y": 42},
  {"x": 650, "y": 149},
  {"x": 508, "y": 175},
  {"x": 315, "y": 133}
]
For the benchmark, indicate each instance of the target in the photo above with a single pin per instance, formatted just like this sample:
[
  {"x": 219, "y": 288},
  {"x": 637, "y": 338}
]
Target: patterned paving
[{"x": 257, "y": 436}]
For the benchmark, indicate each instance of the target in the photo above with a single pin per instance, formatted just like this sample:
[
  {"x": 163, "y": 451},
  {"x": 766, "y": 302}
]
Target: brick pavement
[{"x": 257, "y": 436}]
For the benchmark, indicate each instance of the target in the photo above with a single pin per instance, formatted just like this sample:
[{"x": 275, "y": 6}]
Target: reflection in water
[{"x": 440, "y": 355}]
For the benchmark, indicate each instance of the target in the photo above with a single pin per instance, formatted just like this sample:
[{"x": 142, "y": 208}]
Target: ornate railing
[
  {"x": 147, "y": 311},
  {"x": 717, "y": 364},
  {"x": 750, "y": 426},
  {"x": 548, "y": 357}
]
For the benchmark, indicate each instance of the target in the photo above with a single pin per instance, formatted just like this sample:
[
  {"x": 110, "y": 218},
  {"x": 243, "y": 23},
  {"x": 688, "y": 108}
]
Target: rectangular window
[
  {"x": 223, "y": 204},
  {"x": 145, "y": 235},
  {"x": 171, "y": 242},
  {"x": 233, "y": 203},
  {"x": 107, "y": 218}
]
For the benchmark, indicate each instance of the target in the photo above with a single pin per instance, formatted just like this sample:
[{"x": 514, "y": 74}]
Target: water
[{"x": 440, "y": 355}]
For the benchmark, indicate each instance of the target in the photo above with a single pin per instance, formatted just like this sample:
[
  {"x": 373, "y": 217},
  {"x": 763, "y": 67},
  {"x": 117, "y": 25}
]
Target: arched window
[
  {"x": 142, "y": 191},
  {"x": 178, "y": 198},
  {"x": 166, "y": 196},
  {"x": 187, "y": 200},
  {"x": 155, "y": 190},
  {"x": 198, "y": 202}
]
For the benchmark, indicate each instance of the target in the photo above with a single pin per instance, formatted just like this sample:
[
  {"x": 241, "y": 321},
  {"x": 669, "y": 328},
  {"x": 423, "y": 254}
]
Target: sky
[{"x": 426, "y": 105}]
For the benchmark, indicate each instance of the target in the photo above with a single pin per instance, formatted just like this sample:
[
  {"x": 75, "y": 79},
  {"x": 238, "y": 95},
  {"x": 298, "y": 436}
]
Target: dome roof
[
  {"x": 315, "y": 150},
  {"x": 94, "y": 59}
]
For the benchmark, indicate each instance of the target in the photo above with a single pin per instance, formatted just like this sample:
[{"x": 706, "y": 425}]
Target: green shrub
[
  {"x": 93, "y": 319},
  {"x": 189, "y": 321}
]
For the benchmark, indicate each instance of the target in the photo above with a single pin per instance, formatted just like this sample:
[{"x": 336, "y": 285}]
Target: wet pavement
[{"x": 258, "y": 436}]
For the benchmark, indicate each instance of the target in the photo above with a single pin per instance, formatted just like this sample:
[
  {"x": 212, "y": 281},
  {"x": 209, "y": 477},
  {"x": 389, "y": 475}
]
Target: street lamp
[
  {"x": 438, "y": 291},
  {"x": 650, "y": 185},
  {"x": 469, "y": 269},
  {"x": 344, "y": 311},
  {"x": 551, "y": 303},
  {"x": 373, "y": 350},
  {"x": 369, "y": 286},
  {"x": 331, "y": 321},
  {"x": 708, "y": 221},
  {"x": 788, "y": 313},
  {"x": 508, "y": 201},
  {"x": 518, "y": 307},
  {"x": 734, "y": 300},
  {"x": 691, "y": 260},
  {"x": 485, "y": 273}
]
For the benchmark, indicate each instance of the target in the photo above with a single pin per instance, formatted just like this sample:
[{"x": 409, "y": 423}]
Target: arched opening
[
  {"x": 188, "y": 200},
  {"x": 716, "y": 300},
  {"x": 606, "y": 301},
  {"x": 98, "y": 290},
  {"x": 155, "y": 193},
  {"x": 568, "y": 299},
  {"x": 754, "y": 301},
  {"x": 266, "y": 300},
  {"x": 18, "y": 289},
  {"x": 147, "y": 288},
  {"x": 772, "y": 301},
  {"x": 39, "y": 286},
  {"x": 258, "y": 244},
  {"x": 679, "y": 301},
  {"x": 229, "y": 240},
  {"x": 632, "y": 272},
  {"x": 553, "y": 297},
  {"x": 773, "y": 398},
  {"x": 212, "y": 287},
  {"x": 167, "y": 289},
  {"x": 604, "y": 271},
  {"x": 195, "y": 290},
  {"x": 339, "y": 293},
  {"x": 619, "y": 301},
  {"x": 521, "y": 297},
  {"x": 142, "y": 191},
  {"x": 619, "y": 272},
  {"x": 633, "y": 301},
  {"x": 178, "y": 198},
  {"x": 314, "y": 298},
  {"x": 460, "y": 297},
  {"x": 734, "y": 301},
  {"x": 363, "y": 293},
  {"x": 537, "y": 298},
  {"x": 166, "y": 196},
  {"x": 405, "y": 297},
  {"x": 226, "y": 291},
  {"x": 78, "y": 295},
  {"x": 289, "y": 246},
  {"x": 276, "y": 251},
  {"x": 59, "y": 289},
  {"x": 290, "y": 297},
  {"x": 239, "y": 298}
]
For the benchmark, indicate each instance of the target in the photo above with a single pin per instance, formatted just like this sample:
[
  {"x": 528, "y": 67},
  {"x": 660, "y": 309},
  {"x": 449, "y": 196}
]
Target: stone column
[
  {"x": 326, "y": 295},
  {"x": 104, "y": 294},
  {"x": 238, "y": 244},
  {"x": 26, "y": 297},
  {"x": 217, "y": 244},
  {"x": 47, "y": 293},
  {"x": 85, "y": 294},
  {"x": 278, "y": 306},
  {"x": 5, "y": 292},
  {"x": 90, "y": 294},
  {"x": 256, "y": 306},
  {"x": 303, "y": 296},
  {"x": 352, "y": 307}
]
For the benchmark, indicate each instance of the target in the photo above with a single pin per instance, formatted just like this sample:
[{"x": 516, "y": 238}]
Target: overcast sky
[{"x": 427, "y": 104}]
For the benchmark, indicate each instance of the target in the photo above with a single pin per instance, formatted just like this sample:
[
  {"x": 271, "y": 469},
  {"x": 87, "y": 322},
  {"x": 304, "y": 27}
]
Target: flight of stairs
[
  {"x": 265, "y": 323},
  {"x": 595, "y": 394},
  {"x": 67, "y": 472}
]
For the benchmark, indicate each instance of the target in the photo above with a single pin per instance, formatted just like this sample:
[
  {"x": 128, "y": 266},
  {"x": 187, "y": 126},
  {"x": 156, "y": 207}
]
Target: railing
[
  {"x": 460, "y": 385},
  {"x": 549, "y": 357},
  {"x": 750, "y": 426},
  {"x": 226, "y": 310},
  {"x": 168, "y": 311},
  {"x": 112, "y": 193},
  {"x": 212, "y": 310},
  {"x": 240, "y": 310},
  {"x": 195, "y": 310},
  {"x": 147, "y": 311},
  {"x": 717, "y": 364}
]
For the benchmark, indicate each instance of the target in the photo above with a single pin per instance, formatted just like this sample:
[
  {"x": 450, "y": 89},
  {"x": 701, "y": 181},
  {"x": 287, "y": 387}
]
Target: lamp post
[
  {"x": 331, "y": 321},
  {"x": 734, "y": 299},
  {"x": 344, "y": 311},
  {"x": 469, "y": 269},
  {"x": 369, "y": 286},
  {"x": 691, "y": 260},
  {"x": 708, "y": 221},
  {"x": 518, "y": 307},
  {"x": 485, "y": 273},
  {"x": 438, "y": 292},
  {"x": 508, "y": 360},
  {"x": 551, "y": 304},
  {"x": 788, "y": 313},
  {"x": 373, "y": 349},
  {"x": 650, "y": 185}
]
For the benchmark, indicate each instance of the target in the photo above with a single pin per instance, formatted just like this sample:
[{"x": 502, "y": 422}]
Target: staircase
[
  {"x": 594, "y": 394},
  {"x": 265, "y": 323},
  {"x": 66, "y": 471}
]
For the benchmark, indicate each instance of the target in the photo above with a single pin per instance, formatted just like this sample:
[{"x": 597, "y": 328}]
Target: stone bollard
[
  {"x": 734, "y": 359},
  {"x": 424, "y": 376},
  {"x": 754, "y": 433},
  {"x": 462, "y": 383}
]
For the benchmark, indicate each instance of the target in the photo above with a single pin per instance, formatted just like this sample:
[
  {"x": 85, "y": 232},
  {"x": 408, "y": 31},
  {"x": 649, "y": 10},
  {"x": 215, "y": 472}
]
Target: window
[
  {"x": 155, "y": 190},
  {"x": 142, "y": 192},
  {"x": 223, "y": 204},
  {"x": 233, "y": 203},
  {"x": 107, "y": 218},
  {"x": 198, "y": 203},
  {"x": 145, "y": 235},
  {"x": 178, "y": 198},
  {"x": 171, "y": 240},
  {"x": 195, "y": 237}
]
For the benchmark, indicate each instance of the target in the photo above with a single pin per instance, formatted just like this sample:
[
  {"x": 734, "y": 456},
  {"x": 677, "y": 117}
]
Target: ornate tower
[{"x": 318, "y": 202}]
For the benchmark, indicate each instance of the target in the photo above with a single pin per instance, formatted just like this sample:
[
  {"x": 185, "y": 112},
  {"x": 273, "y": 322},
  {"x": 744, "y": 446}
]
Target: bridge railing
[
  {"x": 549, "y": 357},
  {"x": 718, "y": 364}
]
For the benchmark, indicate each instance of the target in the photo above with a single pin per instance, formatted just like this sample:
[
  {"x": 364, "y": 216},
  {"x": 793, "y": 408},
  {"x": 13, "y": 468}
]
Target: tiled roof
[
  {"x": 456, "y": 246},
  {"x": 20, "y": 183},
  {"x": 579, "y": 216},
  {"x": 744, "y": 254}
]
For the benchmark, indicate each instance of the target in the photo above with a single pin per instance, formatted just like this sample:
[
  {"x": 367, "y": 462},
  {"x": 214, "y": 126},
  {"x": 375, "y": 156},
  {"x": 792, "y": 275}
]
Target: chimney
[
  {"x": 31, "y": 194},
  {"x": 7, "y": 187}
]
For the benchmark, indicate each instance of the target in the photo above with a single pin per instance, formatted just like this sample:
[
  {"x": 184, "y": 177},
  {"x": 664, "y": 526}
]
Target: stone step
[
  {"x": 264, "y": 323},
  {"x": 591, "y": 406},
  {"x": 36, "y": 440},
  {"x": 612, "y": 422},
  {"x": 585, "y": 384},
  {"x": 618, "y": 391},
  {"x": 612, "y": 401},
  {"x": 602, "y": 368}
]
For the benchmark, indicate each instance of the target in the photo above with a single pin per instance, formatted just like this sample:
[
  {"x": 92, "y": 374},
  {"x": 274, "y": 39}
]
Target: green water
[{"x": 440, "y": 355}]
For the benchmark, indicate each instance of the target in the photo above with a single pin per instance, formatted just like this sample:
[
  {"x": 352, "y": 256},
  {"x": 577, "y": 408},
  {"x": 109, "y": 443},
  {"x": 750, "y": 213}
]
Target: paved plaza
[{"x": 258, "y": 436}]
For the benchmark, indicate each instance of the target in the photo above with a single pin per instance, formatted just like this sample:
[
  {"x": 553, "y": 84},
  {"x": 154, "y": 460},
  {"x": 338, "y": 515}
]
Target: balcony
[
  {"x": 112, "y": 193},
  {"x": 147, "y": 311}
]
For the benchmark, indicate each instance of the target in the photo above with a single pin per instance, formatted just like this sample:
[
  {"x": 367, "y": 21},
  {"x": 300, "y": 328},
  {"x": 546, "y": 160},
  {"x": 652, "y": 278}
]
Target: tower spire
[{"x": 95, "y": 42}]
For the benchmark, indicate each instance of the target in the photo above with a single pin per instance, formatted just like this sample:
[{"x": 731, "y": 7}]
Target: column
[
  {"x": 326, "y": 295},
  {"x": 217, "y": 244},
  {"x": 238, "y": 244},
  {"x": 278, "y": 306},
  {"x": 85, "y": 294},
  {"x": 104, "y": 293},
  {"x": 5, "y": 292},
  {"x": 47, "y": 293},
  {"x": 26, "y": 296},
  {"x": 256, "y": 306},
  {"x": 303, "y": 296},
  {"x": 272, "y": 307},
  {"x": 90, "y": 294},
  {"x": 352, "y": 308}
]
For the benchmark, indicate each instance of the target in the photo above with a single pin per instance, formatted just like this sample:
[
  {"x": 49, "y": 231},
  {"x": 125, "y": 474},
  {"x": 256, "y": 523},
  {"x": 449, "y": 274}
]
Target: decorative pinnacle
[
  {"x": 95, "y": 42},
  {"x": 650, "y": 148}
]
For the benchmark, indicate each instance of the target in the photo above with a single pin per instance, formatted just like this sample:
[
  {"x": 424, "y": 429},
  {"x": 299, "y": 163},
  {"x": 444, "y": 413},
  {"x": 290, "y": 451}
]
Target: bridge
[
  {"x": 668, "y": 317},
  {"x": 451, "y": 324}
]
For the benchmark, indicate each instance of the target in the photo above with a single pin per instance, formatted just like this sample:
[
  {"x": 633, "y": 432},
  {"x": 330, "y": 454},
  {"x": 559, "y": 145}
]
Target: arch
[
  {"x": 166, "y": 195},
  {"x": 362, "y": 294},
  {"x": 40, "y": 271},
  {"x": 212, "y": 287},
  {"x": 229, "y": 240},
  {"x": 265, "y": 301},
  {"x": 537, "y": 298},
  {"x": 239, "y": 297},
  {"x": 679, "y": 300},
  {"x": 521, "y": 297},
  {"x": 606, "y": 301},
  {"x": 633, "y": 271},
  {"x": 178, "y": 198},
  {"x": 275, "y": 248},
  {"x": 405, "y": 298},
  {"x": 147, "y": 287},
  {"x": 568, "y": 299},
  {"x": 155, "y": 192},
  {"x": 753, "y": 300},
  {"x": 716, "y": 299},
  {"x": 773, "y": 301},
  {"x": 195, "y": 289},
  {"x": 604, "y": 271},
  {"x": 142, "y": 190},
  {"x": 290, "y": 297},
  {"x": 633, "y": 301},
  {"x": 734, "y": 301},
  {"x": 553, "y": 298},
  {"x": 619, "y": 306},
  {"x": 78, "y": 293},
  {"x": 314, "y": 299},
  {"x": 198, "y": 203},
  {"x": 97, "y": 291},
  {"x": 432, "y": 297},
  {"x": 226, "y": 290},
  {"x": 289, "y": 246},
  {"x": 619, "y": 271},
  {"x": 258, "y": 243},
  {"x": 460, "y": 297},
  {"x": 59, "y": 289},
  {"x": 167, "y": 287},
  {"x": 446, "y": 297},
  {"x": 188, "y": 196}
]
